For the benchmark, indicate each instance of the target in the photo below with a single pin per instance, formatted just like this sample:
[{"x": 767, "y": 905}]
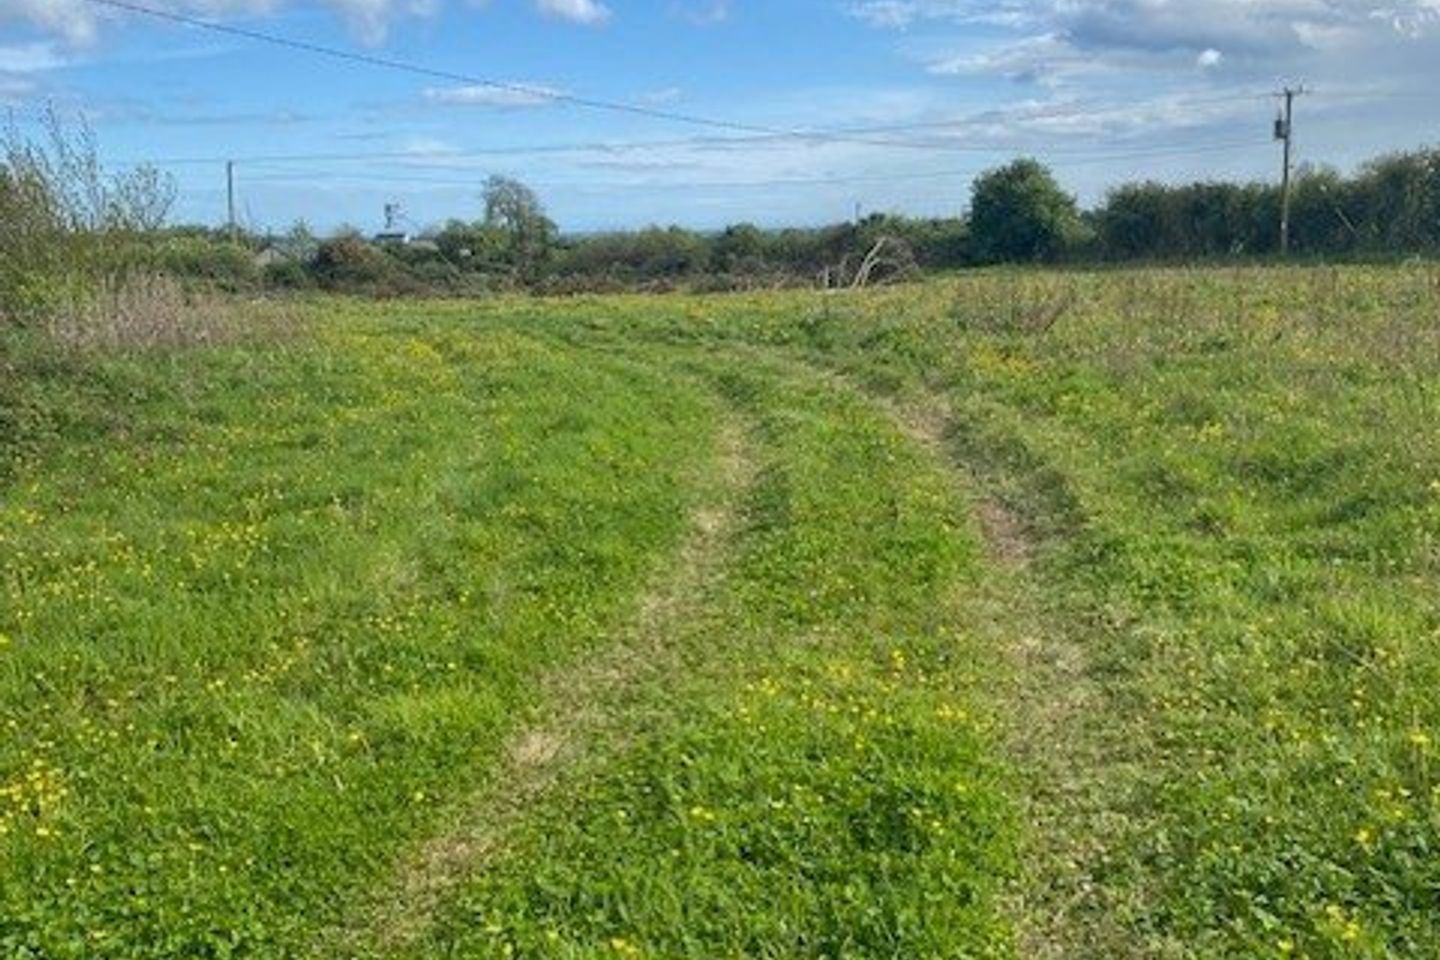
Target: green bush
[
  {"x": 222, "y": 264},
  {"x": 286, "y": 275},
  {"x": 68, "y": 225},
  {"x": 347, "y": 262}
]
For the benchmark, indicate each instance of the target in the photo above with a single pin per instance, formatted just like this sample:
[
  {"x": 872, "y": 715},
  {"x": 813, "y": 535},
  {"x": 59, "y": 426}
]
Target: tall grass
[{"x": 73, "y": 232}]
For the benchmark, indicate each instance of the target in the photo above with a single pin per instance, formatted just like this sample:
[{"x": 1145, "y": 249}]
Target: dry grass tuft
[{"x": 152, "y": 311}]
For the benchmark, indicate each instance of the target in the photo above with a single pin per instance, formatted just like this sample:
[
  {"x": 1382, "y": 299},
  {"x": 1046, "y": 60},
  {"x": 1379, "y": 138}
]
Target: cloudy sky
[{"x": 901, "y": 102}]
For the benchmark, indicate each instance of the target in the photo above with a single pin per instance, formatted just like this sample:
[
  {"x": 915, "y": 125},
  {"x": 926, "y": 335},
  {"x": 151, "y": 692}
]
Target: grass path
[
  {"x": 1055, "y": 711},
  {"x": 819, "y": 780},
  {"x": 582, "y": 711},
  {"x": 1233, "y": 478}
]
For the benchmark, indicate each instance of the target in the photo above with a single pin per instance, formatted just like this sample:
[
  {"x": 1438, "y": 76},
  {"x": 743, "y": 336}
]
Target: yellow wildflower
[{"x": 624, "y": 947}]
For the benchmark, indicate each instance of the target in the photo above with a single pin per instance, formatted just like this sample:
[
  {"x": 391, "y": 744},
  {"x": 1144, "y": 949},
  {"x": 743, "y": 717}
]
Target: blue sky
[{"x": 1104, "y": 90}]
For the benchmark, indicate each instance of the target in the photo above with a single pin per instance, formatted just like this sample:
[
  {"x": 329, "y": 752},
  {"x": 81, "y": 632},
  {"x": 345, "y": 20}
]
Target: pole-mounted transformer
[{"x": 1284, "y": 132}]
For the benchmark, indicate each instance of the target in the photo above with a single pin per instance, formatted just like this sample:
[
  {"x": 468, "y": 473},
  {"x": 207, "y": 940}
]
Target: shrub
[
  {"x": 68, "y": 225},
  {"x": 286, "y": 275},
  {"x": 1019, "y": 214},
  {"x": 347, "y": 262},
  {"x": 221, "y": 264}
]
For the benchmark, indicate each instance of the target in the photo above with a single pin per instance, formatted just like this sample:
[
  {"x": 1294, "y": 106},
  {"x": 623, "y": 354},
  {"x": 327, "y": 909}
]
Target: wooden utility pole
[
  {"x": 1285, "y": 132},
  {"x": 230, "y": 197}
]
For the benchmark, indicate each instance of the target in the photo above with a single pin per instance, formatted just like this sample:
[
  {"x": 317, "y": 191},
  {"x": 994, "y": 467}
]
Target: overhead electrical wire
[
  {"x": 434, "y": 73},
  {"x": 757, "y": 132},
  {"x": 503, "y": 86},
  {"x": 1059, "y": 111},
  {"x": 439, "y": 158},
  {"x": 280, "y": 175},
  {"x": 739, "y": 134}
]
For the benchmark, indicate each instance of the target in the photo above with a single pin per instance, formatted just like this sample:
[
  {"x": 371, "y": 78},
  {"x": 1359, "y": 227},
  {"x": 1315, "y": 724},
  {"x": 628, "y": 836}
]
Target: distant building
[{"x": 396, "y": 237}]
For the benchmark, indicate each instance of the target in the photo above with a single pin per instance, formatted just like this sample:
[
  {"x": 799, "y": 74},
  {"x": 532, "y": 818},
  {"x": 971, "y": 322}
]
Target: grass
[
  {"x": 270, "y": 612},
  {"x": 251, "y": 645},
  {"x": 823, "y": 785},
  {"x": 1234, "y": 481}
]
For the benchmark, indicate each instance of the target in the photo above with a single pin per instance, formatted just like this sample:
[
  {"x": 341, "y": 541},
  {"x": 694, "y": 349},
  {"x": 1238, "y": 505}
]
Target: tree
[
  {"x": 515, "y": 209},
  {"x": 142, "y": 200},
  {"x": 1019, "y": 214},
  {"x": 473, "y": 246},
  {"x": 1402, "y": 194},
  {"x": 347, "y": 262},
  {"x": 1132, "y": 221},
  {"x": 740, "y": 249}
]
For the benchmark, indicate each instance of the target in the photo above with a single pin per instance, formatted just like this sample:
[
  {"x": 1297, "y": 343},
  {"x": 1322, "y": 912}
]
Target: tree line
[
  {"x": 70, "y": 227},
  {"x": 1019, "y": 213}
]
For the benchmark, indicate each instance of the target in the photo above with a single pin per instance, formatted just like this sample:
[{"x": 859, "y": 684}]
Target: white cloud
[
  {"x": 1046, "y": 59},
  {"x": 30, "y": 58},
  {"x": 1058, "y": 41},
  {"x": 73, "y": 20},
  {"x": 15, "y": 90},
  {"x": 662, "y": 96},
  {"x": 78, "y": 23},
  {"x": 701, "y": 13},
  {"x": 19, "y": 66},
  {"x": 510, "y": 96},
  {"x": 428, "y": 148},
  {"x": 587, "y": 12},
  {"x": 899, "y": 14},
  {"x": 1193, "y": 25}
]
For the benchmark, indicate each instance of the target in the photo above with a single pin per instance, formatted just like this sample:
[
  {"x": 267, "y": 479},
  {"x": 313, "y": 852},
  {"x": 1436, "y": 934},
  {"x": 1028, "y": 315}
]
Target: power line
[
  {"x": 280, "y": 175},
  {"x": 431, "y": 159},
  {"x": 433, "y": 73},
  {"x": 844, "y": 135},
  {"x": 437, "y": 159},
  {"x": 760, "y": 131},
  {"x": 503, "y": 86}
]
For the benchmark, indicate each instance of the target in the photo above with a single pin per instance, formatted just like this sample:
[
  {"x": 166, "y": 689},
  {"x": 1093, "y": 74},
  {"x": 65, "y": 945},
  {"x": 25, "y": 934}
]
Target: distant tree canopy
[
  {"x": 1390, "y": 206},
  {"x": 1152, "y": 220},
  {"x": 1019, "y": 214},
  {"x": 68, "y": 223},
  {"x": 516, "y": 211}
]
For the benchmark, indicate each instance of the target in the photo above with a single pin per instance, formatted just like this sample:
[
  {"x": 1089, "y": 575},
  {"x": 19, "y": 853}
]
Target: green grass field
[{"x": 1003, "y": 615}]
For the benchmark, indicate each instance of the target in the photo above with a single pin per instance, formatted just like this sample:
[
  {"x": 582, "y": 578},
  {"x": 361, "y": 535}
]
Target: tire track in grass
[
  {"x": 581, "y": 718},
  {"x": 824, "y": 787},
  {"x": 1055, "y": 710}
]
